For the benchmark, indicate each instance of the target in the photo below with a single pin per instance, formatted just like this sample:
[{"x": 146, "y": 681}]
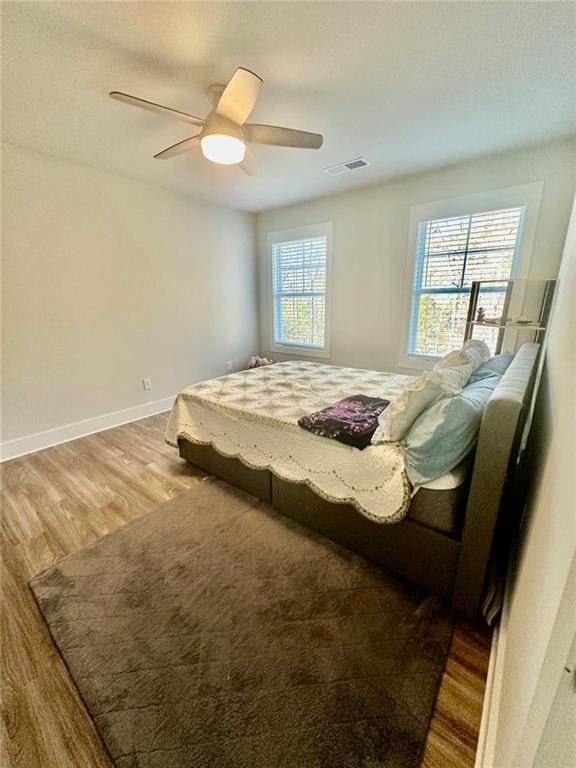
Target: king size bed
[{"x": 244, "y": 429}]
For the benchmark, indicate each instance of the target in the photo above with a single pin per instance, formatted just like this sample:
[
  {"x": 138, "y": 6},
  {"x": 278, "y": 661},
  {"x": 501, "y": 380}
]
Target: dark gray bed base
[
  {"x": 452, "y": 566},
  {"x": 403, "y": 547}
]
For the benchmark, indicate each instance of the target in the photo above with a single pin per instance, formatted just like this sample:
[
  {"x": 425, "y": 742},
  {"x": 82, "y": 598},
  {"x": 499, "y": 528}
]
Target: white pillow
[
  {"x": 477, "y": 352},
  {"x": 465, "y": 360},
  {"x": 460, "y": 366},
  {"x": 474, "y": 352},
  {"x": 397, "y": 418},
  {"x": 448, "y": 378},
  {"x": 453, "y": 359}
]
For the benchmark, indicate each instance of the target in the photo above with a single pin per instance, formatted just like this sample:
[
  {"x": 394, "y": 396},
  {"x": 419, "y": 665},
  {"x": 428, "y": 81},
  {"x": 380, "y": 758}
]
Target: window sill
[
  {"x": 419, "y": 362},
  {"x": 300, "y": 351}
]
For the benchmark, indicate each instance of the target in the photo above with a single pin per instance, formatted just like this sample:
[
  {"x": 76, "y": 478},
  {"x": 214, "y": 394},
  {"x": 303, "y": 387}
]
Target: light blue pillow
[
  {"x": 497, "y": 364},
  {"x": 446, "y": 432}
]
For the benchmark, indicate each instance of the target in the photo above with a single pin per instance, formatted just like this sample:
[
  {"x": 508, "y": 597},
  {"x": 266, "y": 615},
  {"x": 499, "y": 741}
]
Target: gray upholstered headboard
[{"x": 496, "y": 455}]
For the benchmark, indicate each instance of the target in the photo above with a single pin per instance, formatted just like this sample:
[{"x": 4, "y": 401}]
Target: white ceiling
[{"x": 407, "y": 85}]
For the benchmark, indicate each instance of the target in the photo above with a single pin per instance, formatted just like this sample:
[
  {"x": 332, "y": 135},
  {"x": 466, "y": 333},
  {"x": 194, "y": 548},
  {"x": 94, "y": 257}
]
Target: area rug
[{"x": 216, "y": 632}]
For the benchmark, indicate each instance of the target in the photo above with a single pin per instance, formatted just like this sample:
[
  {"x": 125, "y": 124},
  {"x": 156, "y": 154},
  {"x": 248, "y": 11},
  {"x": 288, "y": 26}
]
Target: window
[
  {"x": 451, "y": 253},
  {"x": 300, "y": 269}
]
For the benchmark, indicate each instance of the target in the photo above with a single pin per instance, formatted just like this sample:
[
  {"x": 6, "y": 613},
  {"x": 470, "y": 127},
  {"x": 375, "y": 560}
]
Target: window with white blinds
[
  {"x": 299, "y": 279},
  {"x": 451, "y": 253}
]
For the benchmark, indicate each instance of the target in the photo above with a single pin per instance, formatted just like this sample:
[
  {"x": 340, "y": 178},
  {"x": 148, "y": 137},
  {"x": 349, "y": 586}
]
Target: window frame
[
  {"x": 324, "y": 229},
  {"x": 527, "y": 195}
]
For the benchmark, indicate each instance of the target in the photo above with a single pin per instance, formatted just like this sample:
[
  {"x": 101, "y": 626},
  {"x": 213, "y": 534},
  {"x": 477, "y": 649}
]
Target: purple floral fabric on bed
[{"x": 352, "y": 421}]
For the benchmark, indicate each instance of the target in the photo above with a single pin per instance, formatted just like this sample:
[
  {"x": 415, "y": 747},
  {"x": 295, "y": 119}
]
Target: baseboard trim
[
  {"x": 12, "y": 449},
  {"x": 486, "y": 750},
  {"x": 489, "y": 707}
]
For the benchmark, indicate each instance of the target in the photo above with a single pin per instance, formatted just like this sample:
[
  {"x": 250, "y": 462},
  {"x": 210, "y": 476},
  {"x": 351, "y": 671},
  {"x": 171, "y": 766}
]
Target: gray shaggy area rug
[{"x": 216, "y": 632}]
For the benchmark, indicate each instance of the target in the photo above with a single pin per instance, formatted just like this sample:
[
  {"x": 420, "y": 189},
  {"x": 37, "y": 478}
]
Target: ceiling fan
[{"x": 224, "y": 131}]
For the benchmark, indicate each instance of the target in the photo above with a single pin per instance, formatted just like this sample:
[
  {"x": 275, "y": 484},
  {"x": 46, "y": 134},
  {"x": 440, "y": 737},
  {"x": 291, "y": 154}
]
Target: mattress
[
  {"x": 453, "y": 479},
  {"x": 441, "y": 503},
  {"x": 253, "y": 416}
]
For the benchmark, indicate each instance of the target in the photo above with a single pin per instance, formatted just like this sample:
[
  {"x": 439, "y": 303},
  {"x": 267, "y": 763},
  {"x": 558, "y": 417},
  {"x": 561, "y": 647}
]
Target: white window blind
[
  {"x": 299, "y": 292},
  {"x": 451, "y": 253}
]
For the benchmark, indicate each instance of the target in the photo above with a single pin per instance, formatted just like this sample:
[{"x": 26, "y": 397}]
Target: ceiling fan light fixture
[
  {"x": 223, "y": 149},
  {"x": 225, "y": 135}
]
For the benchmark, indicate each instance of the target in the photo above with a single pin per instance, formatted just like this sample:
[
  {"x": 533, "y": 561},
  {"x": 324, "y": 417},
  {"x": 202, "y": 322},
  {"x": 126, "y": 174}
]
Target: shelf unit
[
  {"x": 511, "y": 324},
  {"x": 537, "y": 293}
]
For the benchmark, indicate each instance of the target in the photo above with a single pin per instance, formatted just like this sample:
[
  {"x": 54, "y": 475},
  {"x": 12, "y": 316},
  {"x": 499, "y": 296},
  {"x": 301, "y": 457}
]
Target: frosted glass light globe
[{"x": 226, "y": 150}]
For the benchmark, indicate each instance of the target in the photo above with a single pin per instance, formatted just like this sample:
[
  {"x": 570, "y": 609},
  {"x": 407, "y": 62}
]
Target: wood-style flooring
[{"x": 56, "y": 501}]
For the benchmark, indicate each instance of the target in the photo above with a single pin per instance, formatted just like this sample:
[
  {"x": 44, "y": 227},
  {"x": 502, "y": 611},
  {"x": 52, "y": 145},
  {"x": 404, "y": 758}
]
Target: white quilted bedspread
[{"x": 253, "y": 416}]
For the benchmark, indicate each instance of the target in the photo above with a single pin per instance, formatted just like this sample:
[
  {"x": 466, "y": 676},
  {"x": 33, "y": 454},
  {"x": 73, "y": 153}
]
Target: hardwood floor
[{"x": 61, "y": 499}]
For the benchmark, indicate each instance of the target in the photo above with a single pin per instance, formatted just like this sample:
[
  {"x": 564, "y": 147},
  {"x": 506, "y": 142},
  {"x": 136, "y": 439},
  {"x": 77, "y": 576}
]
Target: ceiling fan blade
[
  {"x": 176, "y": 149},
  {"x": 239, "y": 96},
  {"x": 281, "y": 137},
  {"x": 152, "y": 107},
  {"x": 249, "y": 165}
]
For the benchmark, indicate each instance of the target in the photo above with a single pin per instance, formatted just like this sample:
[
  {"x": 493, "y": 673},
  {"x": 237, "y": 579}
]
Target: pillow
[
  {"x": 497, "y": 364},
  {"x": 453, "y": 359},
  {"x": 476, "y": 351},
  {"x": 473, "y": 351},
  {"x": 467, "y": 359},
  {"x": 459, "y": 366},
  {"x": 444, "y": 434},
  {"x": 395, "y": 421}
]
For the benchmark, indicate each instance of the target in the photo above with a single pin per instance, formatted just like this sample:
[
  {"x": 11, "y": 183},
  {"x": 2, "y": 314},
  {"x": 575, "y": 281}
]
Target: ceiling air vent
[{"x": 350, "y": 165}]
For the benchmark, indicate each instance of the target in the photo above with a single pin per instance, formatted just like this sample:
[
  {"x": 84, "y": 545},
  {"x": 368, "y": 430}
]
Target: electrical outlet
[
  {"x": 147, "y": 384},
  {"x": 228, "y": 365}
]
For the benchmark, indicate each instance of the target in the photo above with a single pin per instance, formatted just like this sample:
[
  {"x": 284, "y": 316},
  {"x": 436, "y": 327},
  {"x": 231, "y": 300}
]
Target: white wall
[
  {"x": 539, "y": 621},
  {"x": 107, "y": 280},
  {"x": 557, "y": 746},
  {"x": 371, "y": 228}
]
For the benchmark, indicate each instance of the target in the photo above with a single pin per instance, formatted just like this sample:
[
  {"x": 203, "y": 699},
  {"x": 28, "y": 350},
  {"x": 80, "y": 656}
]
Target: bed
[{"x": 244, "y": 429}]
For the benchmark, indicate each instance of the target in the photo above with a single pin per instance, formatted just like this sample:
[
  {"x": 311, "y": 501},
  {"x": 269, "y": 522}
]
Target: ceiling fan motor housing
[
  {"x": 216, "y": 123},
  {"x": 214, "y": 92}
]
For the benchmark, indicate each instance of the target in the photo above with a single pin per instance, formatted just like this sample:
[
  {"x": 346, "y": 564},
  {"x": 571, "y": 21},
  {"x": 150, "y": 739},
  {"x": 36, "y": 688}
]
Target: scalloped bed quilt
[{"x": 253, "y": 415}]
